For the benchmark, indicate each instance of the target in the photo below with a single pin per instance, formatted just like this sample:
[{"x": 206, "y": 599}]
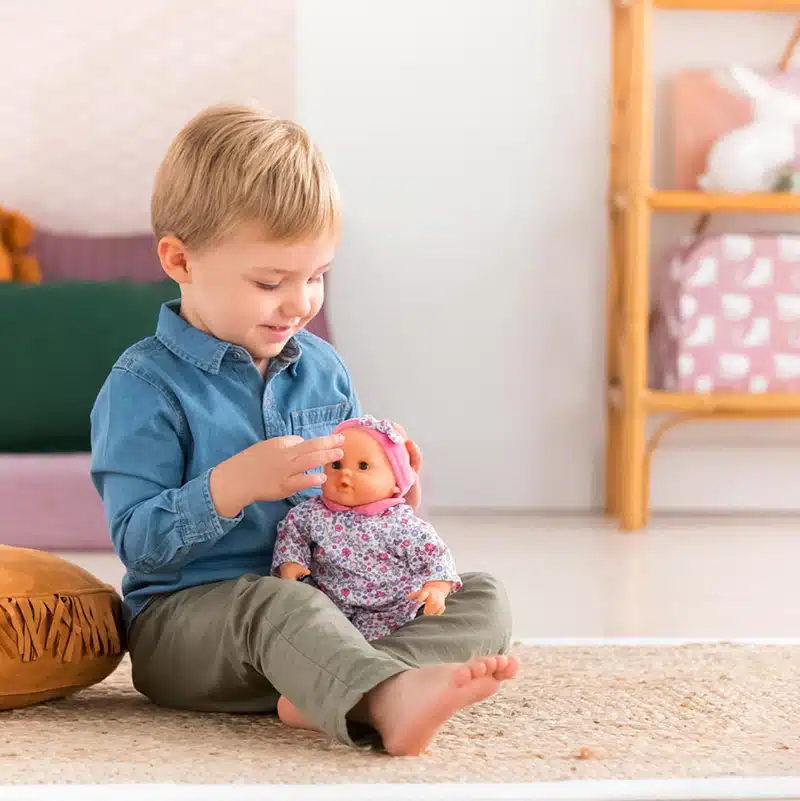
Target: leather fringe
[{"x": 62, "y": 627}]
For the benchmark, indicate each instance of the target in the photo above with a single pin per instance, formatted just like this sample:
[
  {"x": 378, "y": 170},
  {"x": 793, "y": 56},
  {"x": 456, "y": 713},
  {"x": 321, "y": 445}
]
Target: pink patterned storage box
[{"x": 727, "y": 316}]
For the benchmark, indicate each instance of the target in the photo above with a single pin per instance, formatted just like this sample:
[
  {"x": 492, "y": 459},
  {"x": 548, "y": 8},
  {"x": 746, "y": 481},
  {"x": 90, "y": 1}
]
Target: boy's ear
[{"x": 172, "y": 255}]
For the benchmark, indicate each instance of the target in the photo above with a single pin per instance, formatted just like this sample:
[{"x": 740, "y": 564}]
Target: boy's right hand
[{"x": 271, "y": 471}]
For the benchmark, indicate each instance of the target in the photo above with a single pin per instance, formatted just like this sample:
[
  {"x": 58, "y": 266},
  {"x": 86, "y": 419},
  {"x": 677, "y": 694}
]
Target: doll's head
[{"x": 375, "y": 466}]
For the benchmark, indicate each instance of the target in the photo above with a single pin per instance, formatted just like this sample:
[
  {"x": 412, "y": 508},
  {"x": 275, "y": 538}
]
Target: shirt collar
[{"x": 205, "y": 351}]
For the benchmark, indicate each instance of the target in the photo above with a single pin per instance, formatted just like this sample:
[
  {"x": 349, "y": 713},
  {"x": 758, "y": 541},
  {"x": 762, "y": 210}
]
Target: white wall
[
  {"x": 466, "y": 294},
  {"x": 99, "y": 89},
  {"x": 470, "y": 140}
]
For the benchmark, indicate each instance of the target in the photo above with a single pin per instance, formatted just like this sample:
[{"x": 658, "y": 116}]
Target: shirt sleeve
[
  {"x": 156, "y": 521},
  {"x": 428, "y": 556},
  {"x": 293, "y": 541},
  {"x": 355, "y": 403}
]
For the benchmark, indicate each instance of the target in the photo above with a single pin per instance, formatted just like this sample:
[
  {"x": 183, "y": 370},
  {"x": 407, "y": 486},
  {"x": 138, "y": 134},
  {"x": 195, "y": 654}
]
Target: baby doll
[{"x": 360, "y": 543}]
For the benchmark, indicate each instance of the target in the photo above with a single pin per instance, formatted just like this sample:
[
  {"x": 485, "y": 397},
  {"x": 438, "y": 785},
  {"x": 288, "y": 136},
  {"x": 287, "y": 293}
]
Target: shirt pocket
[
  {"x": 316, "y": 422},
  {"x": 319, "y": 421}
]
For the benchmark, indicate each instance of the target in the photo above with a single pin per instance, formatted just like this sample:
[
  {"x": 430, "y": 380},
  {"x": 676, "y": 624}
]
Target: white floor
[
  {"x": 581, "y": 578},
  {"x": 785, "y": 789}
]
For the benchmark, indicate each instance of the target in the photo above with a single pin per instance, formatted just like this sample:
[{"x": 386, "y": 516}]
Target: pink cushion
[
  {"x": 80, "y": 257},
  {"x": 49, "y": 502}
]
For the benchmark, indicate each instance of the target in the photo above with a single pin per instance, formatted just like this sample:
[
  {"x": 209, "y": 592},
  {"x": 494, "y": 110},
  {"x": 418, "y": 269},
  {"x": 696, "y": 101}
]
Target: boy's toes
[
  {"x": 478, "y": 668},
  {"x": 509, "y": 670},
  {"x": 485, "y": 666},
  {"x": 462, "y": 676},
  {"x": 497, "y": 667}
]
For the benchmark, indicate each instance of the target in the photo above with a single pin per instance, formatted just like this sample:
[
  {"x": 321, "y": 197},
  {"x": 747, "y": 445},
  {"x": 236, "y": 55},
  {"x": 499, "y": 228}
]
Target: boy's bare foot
[
  {"x": 290, "y": 715},
  {"x": 410, "y": 708}
]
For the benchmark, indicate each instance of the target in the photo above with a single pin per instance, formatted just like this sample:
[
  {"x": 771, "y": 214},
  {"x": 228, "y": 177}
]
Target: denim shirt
[{"x": 173, "y": 407}]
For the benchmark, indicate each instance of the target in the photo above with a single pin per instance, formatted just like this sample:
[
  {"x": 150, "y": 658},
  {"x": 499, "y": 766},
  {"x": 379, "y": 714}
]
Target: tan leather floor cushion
[{"x": 60, "y": 628}]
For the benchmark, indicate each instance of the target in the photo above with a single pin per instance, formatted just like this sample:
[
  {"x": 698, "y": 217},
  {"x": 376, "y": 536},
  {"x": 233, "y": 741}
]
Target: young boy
[{"x": 205, "y": 435}]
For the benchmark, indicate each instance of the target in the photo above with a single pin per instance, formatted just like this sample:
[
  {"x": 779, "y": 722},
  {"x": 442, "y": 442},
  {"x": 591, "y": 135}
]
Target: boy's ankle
[{"x": 361, "y": 712}]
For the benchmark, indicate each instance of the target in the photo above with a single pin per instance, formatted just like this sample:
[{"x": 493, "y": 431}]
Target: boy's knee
[
  {"x": 488, "y": 586},
  {"x": 490, "y": 594}
]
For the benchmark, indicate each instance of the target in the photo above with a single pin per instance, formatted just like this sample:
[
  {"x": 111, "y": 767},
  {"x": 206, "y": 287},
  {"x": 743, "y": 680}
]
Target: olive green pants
[{"x": 237, "y": 646}]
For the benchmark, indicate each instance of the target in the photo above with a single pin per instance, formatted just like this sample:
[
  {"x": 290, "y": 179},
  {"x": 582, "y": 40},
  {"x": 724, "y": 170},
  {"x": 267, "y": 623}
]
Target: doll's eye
[
  {"x": 337, "y": 465},
  {"x": 363, "y": 465}
]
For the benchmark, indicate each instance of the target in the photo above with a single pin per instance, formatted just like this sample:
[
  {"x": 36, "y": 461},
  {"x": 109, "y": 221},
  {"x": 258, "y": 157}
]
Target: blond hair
[{"x": 233, "y": 164}]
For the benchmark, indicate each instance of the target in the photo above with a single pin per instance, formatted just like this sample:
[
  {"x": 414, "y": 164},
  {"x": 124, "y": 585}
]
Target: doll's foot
[
  {"x": 290, "y": 715},
  {"x": 410, "y": 708}
]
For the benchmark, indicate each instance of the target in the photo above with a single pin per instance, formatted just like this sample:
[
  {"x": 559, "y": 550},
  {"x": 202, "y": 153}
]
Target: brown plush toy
[{"x": 16, "y": 236}]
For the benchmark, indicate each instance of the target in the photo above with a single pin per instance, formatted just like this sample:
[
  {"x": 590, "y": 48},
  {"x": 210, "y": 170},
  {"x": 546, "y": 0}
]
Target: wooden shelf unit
[
  {"x": 724, "y": 204},
  {"x": 726, "y": 5},
  {"x": 631, "y": 203}
]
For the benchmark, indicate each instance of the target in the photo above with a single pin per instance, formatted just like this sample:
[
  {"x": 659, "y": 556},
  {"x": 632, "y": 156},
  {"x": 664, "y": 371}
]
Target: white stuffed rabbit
[{"x": 759, "y": 156}]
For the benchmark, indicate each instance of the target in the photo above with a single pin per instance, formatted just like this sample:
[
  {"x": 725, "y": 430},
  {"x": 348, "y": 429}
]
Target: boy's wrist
[{"x": 228, "y": 491}]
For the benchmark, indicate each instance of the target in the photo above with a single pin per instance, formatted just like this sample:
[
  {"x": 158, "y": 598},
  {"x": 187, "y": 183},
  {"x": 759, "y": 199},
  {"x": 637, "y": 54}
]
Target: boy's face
[{"x": 248, "y": 291}]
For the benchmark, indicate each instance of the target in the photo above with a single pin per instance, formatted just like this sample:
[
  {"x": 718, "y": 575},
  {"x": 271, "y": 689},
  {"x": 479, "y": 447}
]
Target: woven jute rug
[{"x": 601, "y": 712}]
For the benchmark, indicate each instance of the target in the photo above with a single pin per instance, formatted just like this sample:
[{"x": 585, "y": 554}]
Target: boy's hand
[
  {"x": 432, "y": 595},
  {"x": 271, "y": 470},
  {"x": 294, "y": 571},
  {"x": 414, "y": 495},
  {"x": 414, "y": 455}
]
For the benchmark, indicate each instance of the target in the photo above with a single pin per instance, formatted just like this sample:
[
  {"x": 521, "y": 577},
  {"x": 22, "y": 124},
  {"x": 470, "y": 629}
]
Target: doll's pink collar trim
[{"x": 376, "y": 508}]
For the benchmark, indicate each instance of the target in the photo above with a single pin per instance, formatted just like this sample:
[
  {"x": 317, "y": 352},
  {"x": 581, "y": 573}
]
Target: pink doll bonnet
[{"x": 393, "y": 444}]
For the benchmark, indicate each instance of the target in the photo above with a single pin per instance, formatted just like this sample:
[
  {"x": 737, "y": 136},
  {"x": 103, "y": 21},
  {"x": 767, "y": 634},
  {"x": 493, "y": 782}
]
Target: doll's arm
[
  {"x": 292, "y": 556},
  {"x": 430, "y": 559}
]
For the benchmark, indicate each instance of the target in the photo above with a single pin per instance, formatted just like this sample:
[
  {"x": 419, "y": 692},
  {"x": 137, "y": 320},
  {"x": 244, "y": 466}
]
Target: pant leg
[
  {"x": 476, "y": 622},
  {"x": 236, "y": 646}
]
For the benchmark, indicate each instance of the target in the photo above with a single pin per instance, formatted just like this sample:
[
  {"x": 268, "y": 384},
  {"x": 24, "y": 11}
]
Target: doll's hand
[
  {"x": 432, "y": 595},
  {"x": 294, "y": 571}
]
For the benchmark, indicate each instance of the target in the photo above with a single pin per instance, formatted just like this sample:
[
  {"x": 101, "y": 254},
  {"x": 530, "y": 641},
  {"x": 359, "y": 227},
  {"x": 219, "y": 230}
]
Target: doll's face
[{"x": 363, "y": 475}]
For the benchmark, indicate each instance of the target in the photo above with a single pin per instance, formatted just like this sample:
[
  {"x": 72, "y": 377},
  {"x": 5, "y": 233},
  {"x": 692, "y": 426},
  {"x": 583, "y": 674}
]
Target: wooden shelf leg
[
  {"x": 620, "y": 70},
  {"x": 634, "y": 498},
  {"x": 613, "y": 461},
  {"x": 634, "y": 489}
]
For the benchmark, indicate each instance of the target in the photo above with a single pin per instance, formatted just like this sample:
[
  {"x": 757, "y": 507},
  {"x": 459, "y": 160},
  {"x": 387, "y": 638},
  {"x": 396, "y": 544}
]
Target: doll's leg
[{"x": 476, "y": 622}]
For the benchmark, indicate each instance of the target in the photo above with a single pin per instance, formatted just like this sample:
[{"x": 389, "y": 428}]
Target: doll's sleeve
[
  {"x": 293, "y": 541},
  {"x": 428, "y": 557}
]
